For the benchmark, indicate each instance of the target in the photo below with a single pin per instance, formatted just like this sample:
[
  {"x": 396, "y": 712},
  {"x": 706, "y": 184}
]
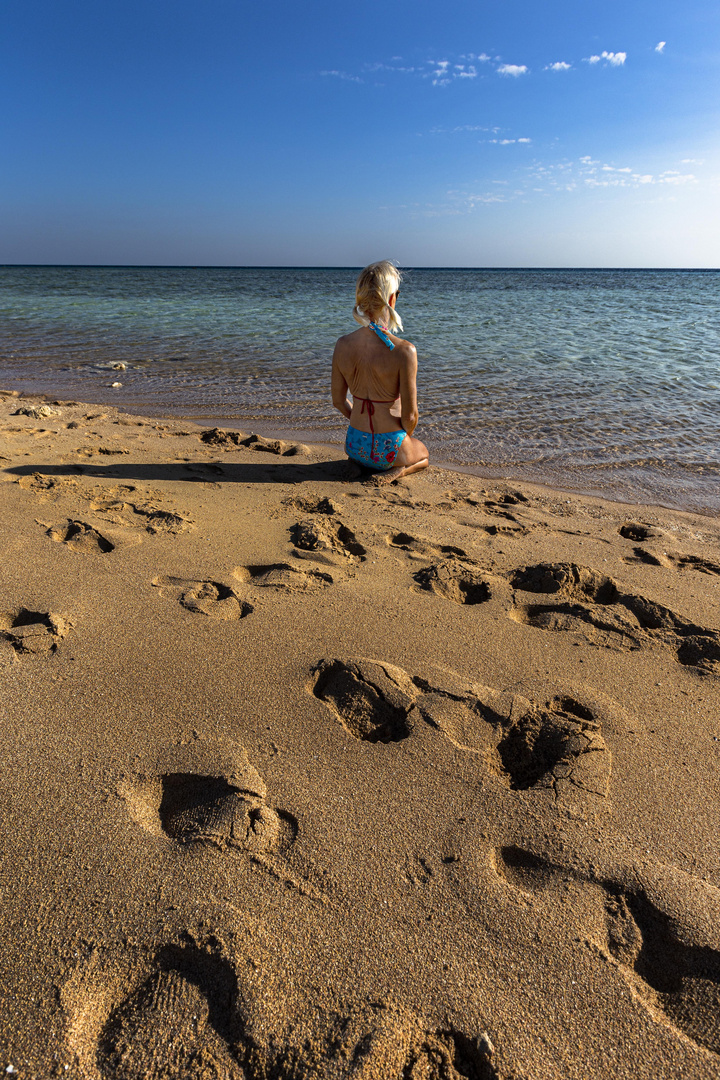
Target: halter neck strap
[{"x": 380, "y": 331}]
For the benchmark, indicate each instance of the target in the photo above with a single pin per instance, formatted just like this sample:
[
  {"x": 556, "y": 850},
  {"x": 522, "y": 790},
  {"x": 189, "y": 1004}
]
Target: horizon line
[{"x": 332, "y": 266}]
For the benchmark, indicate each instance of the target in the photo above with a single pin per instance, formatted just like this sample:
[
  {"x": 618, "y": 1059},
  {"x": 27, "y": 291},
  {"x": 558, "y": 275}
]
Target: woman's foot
[{"x": 389, "y": 476}]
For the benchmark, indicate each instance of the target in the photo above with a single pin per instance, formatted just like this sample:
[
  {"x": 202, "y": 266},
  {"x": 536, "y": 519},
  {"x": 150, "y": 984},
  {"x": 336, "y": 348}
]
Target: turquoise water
[{"x": 593, "y": 380}]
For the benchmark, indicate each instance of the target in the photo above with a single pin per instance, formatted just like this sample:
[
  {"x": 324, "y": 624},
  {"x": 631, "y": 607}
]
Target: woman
[{"x": 380, "y": 370}]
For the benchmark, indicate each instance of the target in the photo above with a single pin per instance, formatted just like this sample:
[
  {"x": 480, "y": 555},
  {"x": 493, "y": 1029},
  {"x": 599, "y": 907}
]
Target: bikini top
[{"x": 370, "y": 403}]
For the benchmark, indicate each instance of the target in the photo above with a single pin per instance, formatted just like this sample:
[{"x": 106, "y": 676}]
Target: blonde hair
[{"x": 373, "y": 289}]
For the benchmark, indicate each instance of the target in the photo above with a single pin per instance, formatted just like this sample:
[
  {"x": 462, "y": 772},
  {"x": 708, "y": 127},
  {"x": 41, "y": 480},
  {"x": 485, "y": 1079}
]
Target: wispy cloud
[
  {"x": 342, "y": 75},
  {"x": 514, "y": 70},
  {"x": 462, "y": 128},
  {"x": 660, "y": 47},
  {"x": 467, "y": 67},
  {"x": 588, "y": 172},
  {"x": 586, "y": 176},
  {"x": 615, "y": 59},
  {"x": 508, "y": 142},
  {"x": 444, "y": 72}
]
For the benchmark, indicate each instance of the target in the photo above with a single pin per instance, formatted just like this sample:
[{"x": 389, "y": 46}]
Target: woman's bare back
[{"x": 374, "y": 373}]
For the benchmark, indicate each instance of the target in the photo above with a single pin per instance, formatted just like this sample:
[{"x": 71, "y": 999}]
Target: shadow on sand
[{"x": 226, "y": 473}]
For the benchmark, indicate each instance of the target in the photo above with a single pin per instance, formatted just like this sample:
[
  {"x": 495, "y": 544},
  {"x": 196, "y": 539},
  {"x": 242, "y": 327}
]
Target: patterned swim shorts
[{"x": 376, "y": 451}]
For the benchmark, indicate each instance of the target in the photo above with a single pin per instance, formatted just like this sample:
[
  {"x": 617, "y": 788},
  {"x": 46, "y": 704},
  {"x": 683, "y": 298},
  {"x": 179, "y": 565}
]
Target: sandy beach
[{"x": 310, "y": 778}]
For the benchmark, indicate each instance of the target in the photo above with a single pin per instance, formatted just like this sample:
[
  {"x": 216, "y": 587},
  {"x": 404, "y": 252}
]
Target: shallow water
[{"x": 593, "y": 380}]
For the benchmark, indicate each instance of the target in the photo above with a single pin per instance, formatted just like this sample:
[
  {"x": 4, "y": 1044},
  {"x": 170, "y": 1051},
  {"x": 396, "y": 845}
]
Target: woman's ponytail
[{"x": 374, "y": 287}]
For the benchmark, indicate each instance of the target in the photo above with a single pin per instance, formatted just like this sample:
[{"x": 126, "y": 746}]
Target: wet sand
[{"x": 307, "y": 778}]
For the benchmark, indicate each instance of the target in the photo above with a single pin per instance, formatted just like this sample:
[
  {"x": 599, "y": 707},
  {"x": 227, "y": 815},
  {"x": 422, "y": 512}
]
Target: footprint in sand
[
  {"x": 499, "y": 507},
  {"x": 661, "y": 932},
  {"x": 556, "y": 746},
  {"x": 417, "y": 547},
  {"x": 210, "y": 598},
  {"x": 120, "y": 510},
  {"x": 47, "y": 487},
  {"x": 181, "y": 1022},
  {"x": 372, "y": 701},
  {"x": 640, "y": 533},
  {"x": 228, "y": 439},
  {"x": 81, "y": 537},
  {"x": 283, "y": 577},
  {"x": 313, "y": 505},
  {"x": 185, "y": 1018},
  {"x": 461, "y": 581},
  {"x": 208, "y": 809},
  {"x": 673, "y": 562},
  {"x": 593, "y": 605},
  {"x": 451, "y": 1055},
  {"x": 35, "y": 632},
  {"x": 225, "y": 806},
  {"x": 694, "y": 562},
  {"x": 118, "y": 505},
  {"x": 93, "y": 451},
  {"x": 326, "y": 537}
]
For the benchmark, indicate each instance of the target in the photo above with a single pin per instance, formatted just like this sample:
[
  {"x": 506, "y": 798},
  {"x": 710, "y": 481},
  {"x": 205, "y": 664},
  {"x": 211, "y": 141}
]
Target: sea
[{"x": 603, "y": 382}]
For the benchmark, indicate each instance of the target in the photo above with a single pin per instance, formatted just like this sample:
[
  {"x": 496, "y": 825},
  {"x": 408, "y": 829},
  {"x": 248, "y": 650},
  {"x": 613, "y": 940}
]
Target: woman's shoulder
[
  {"x": 353, "y": 336},
  {"x": 404, "y": 350}
]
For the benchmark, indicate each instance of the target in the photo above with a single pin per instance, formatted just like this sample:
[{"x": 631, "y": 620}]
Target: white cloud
[
  {"x": 443, "y": 72},
  {"x": 507, "y": 142},
  {"x": 660, "y": 47},
  {"x": 588, "y": 173},
  {"x": 559, "y": 65},
  {"x": 616, "y": 59},
  {"x": 512, "y": 69},
  {"x": 692, "y": 161},
  {"x": 677, "y": 178}
]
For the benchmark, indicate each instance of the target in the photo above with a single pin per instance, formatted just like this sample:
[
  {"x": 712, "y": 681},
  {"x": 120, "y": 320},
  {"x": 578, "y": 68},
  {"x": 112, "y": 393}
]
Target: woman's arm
[
  {"x": 408, "y": 387},
  {"x": 340, "y": 389}
]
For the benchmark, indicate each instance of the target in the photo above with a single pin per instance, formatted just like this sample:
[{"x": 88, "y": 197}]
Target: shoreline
[
  {"x": 309, "y": 776},
  {"x": 491, "y": 473}
]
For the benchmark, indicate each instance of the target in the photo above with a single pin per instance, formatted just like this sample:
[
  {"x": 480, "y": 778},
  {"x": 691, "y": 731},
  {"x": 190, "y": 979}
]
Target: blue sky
[{"x": 459, "y": 134}]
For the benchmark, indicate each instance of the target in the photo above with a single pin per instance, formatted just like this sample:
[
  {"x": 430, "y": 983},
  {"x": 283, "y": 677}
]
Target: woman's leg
[{"x": 411, "y": 457}]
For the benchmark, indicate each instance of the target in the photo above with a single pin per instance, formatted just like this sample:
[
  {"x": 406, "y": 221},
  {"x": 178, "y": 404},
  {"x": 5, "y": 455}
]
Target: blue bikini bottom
[{"x": 374, "y": 451}]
